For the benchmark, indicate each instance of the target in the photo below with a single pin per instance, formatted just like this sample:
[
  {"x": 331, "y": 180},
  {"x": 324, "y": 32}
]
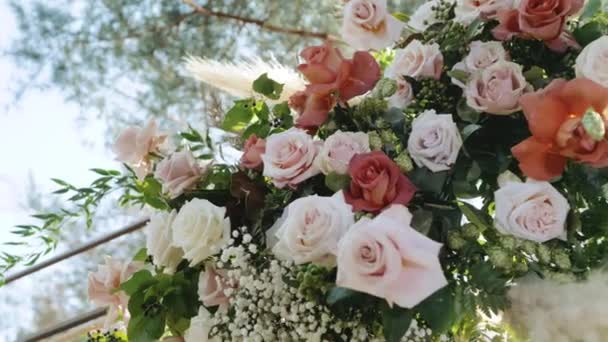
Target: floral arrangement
[{"x": 402, "y": 193}]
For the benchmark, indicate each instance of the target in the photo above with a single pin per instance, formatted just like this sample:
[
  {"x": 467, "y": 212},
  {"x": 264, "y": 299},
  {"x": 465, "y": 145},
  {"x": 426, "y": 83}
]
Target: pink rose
[
  {"x": 367, "y": 25},
  {"x": 416, "y": 60},
  {"x": 376, "y": 182},
  {"x": 466, "y": 11},
  {"x": 252, "y": 156},
  {"x": 211, "y": 286},
  {"x": 332, "y": 79},
  {"x": 387, "y": 258},
  {"x": 539, "y": 19},
  {"x": 497, "y": 89},
  {"x": 403, "y": 96},
  {"x": 289, "y": 157},
  {"x": 480, "y": 56},
  {"x": 339, "y": 149},
  {"x": 134, "y": 145},
  {"x": 178, "y": 172},
  {"x": 105, "y": 283}
]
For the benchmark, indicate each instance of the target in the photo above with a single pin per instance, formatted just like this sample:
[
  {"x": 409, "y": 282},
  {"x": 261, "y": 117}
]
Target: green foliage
[
  {"x": 438, "y": 310},
  {"x": 336, "y": 182},
  {"x": 395, "y": 322},
  {"x": 268, "y": 87},
  {"x": 591, "y": 8}
]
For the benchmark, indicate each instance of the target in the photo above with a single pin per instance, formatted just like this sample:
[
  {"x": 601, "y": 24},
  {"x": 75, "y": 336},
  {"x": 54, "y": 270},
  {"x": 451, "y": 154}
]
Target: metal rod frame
[{"x": 67, "y": 325}]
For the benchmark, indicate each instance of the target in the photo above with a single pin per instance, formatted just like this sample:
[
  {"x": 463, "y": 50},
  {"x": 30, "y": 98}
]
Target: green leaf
[
  {"x": 239, "y": 116},
  {"x": 438, "y": 310},
  {"x": 260, "y": 129},
  {"x": 138, "y": 281},
  {"x": 281, "y": 110},
  {"x": 404, "y": 17},
  {"x": 395, "y": 321},
  {"x": 474, "y": 215},
  {"x": 460, "y": 75},
  {"x": 475, "y": 28},
  {"x": 593, "y": 7},
  {"x": 422, "y": 220},
  {"x": 467, "y": 113},
  {"x": 268, "y": 87},
  {"x": 146, "y": 328},
  {"x": 468, "y": 130},
  {"x": 339, "y": 294},
  {"x": 428, "y": 181},
  {"x": 588, "y": 33},
  {"x": 337, "y": 182},
  {"x": 141, "y": 255}
]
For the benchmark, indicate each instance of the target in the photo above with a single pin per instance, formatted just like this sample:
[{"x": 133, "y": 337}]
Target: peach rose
[
  {"x": 555, "y": 119},
  {"x": 416, "y": 60},
  {"x": 338, "y": 149},
  {"x": 134, "y": 145},
  {"x": 332, "y": 79},
  {"x": 253, "y": 150},
  {"x": 179, "y": 172},
  {"x": 211, "y": 286},
  {"x": 539, "y": 19},
  {"x": 367, "y": 25},
  {"x": 289, "y": 157},
  {"x": 376, "y": 182},
  {"x": 496, "y": 89},
  {"x": 480, "y": 56},
  {"x": 387, "y": 258}
]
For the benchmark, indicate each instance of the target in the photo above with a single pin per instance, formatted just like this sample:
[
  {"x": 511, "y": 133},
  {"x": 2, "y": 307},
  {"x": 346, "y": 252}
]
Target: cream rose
[
  {"x": 310, "y": 229},
  {"x": 592, "y": 63},
  {"x": 338, "y": 150},
  {"x": 424, "y": 16},
  {"x": 289, "y": 157},
  {"x": 201, "y": 230},
  {"x": 200, "y": 328},
  {"x": 416, "y": 60},
  {"x": 533, "y": 211},
  {"x": 179, "y": 172},
  {"x": 387, "y": 258},
  {"x": 159, "y": 244},
  {"x": 367, "y": 25},
  {"x": 134, "y": 145},
  {"x": 466, "y": 11},
  {"x": 403, "y": 96},
  {"x": 481, "y": 56},
  {"x": 434, "y": 141},
  {"x": 497, "y": 89},
  {"x": 211, "y": 286}
]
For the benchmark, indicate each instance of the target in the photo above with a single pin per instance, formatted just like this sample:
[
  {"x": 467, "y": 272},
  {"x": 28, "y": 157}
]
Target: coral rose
[
  {"x": 555, "y": 118},
  {"x": 252, "y": 154},
  {"x": 332, "y": 79},
  {"x": 376, "y": 182},
  {"x": 539, "y": 19}
]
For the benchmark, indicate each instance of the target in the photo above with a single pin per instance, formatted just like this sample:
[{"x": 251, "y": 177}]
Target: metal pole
[
  {"x": 67, "y": 325},
  {"x": 90, "y": 245}
]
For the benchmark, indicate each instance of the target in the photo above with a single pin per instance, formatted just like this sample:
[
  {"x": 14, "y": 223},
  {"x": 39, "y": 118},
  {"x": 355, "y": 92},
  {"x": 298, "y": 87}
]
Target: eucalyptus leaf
[
  {"x": 338, "y": 294},
  {"x": 422, "y": 220},
  {"x": 467, "y": 113}
]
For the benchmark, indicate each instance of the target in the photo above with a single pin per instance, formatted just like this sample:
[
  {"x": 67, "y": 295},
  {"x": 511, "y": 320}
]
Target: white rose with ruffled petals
[
  {"x": 592, "y": 63},
  {"x": 481, "y": 56},
  {"x": 289, "y": 157},
  {"x": 200, "y": 328},
  {"x": 387, "y": 258},
  {"x": 367, "y": 25},
  {"x": 201, "y": 229},
  {"x": 338, "y": 149},
  {"x": 434, "y": 141},
  {"x": 466, "y": 11},
  {"x": 310, "y": 229},
  {"x": 416, "y": 60},
  {"x": 533, "y": 211},
  {"x": 159, "y": 242}
]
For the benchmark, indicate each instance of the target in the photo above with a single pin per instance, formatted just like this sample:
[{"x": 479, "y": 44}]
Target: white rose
[
  {"x": 466, "y": 11},
  {"x": 424, "y": 16},
  {"x": 417, "y": 60},
  {"x": 159, "y": 244},
  {"x": 338, "y": 150},
  {"x": 592, "y": 63},
  {"x": 403, "y": 96},
  {"x": 368, "y": 25},
  {"x": 497, "y": 89},
  {"x": 289, "y": 157},
  {"x": 434, "y": 141},
  {"x": 201, "y": 230},
  {"x": 310, "y": 229},
  {"x": 200, "y": 327},
  {"x": 533, "y": 211},
  {"x": 481, "y": 56}
]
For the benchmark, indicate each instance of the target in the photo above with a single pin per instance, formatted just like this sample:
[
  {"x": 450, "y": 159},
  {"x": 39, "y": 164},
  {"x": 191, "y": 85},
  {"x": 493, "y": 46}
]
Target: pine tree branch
[{"x": 260, "y": 23}]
